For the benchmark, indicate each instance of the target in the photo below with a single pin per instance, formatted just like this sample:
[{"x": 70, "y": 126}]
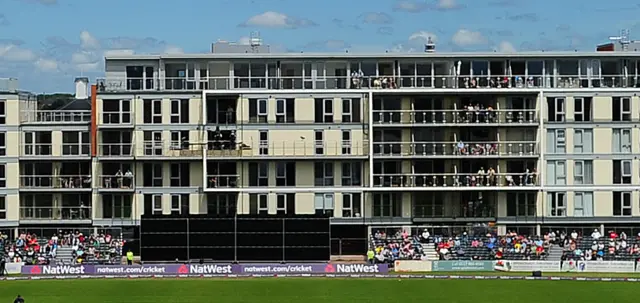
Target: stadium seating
[
  {"x": 396, "y": 245},
  {"x": 511, "y": 247},
  {"x": 611, "y": 247}
]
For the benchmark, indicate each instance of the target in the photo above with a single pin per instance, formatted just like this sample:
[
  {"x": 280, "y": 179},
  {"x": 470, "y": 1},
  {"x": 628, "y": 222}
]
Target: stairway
[
  {"x": 429, "y": 249},
  {"x": 64, "y": 255},
  {"x": 555, "y": 253}
]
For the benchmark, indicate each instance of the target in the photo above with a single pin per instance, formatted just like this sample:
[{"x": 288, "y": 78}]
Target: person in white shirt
[
  {"x": 596, "y": 234},
  {"x": 426, "y": 235},
  {"x": 574, "y": 235}
]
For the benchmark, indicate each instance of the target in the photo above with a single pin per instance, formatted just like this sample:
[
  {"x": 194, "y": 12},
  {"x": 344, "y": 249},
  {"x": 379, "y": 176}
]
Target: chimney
[{"x": 82, "y": 88}]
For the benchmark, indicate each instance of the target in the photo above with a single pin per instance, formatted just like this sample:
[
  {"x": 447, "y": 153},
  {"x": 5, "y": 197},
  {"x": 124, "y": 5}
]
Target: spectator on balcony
[
  {"x": 357, "y": 78},
  {"x": 119, "y": 179},
  {"x": 128, "y": 178},
  {"x": 596, "y": 235}
]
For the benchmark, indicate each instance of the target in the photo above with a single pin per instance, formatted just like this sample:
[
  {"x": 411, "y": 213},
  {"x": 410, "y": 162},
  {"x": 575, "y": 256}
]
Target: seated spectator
[{"x": 596, "y": 234}]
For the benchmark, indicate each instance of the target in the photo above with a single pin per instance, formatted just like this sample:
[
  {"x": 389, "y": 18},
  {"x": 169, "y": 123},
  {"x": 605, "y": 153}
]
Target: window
[
  {"x": 621, "y": 171},
  {"x": 222, "y": 203},
  {"x": 258, "y": 112},
  {"x": 3, "y": 175},
  {"x": 285, "y": 111},
  {"x": 319, "y": 141},
  {"x": 152, "y": 174},
  {"x": 3, "y": 207},
  {"x": 324, "y": 204},
  {"x": 285, "y": 173},
  {"x": 116, "y": 111},
  {"x": 179, "y": 111},
  {"x": 258, "y": 204},
  {"x": 179, "y": 139},
  {"x": 323, "y": 172},
  {"x": 351, "y": 173},
  {"x": 583, "y": 172},
  {"x": 3, "y": 143},
  {"x": 285, "y": 204},
  {"x": 555, "y": 109},
  {"x": 621, "y": 109},
  {"x": 387, "y": 205},
  {"x": 621, "y": 203},
  {"x": 75, "y": 143},
  {"x": 556, "y": 141},
  {"x": 119, "y": 206},
  {"x": 156, "y": 204},
  {"x": 180, "y": 204},
  {"x": 3, "y": 111},
  {"x": 621, "y": 140},
  {"x": 259, "y": 174},
  {"x": 582, "y": 141},
  {"x": 179, "y": 175},
  {"x": 583, "y": 204},
  {"x": 582, "y": 109},
  {"x": 263, "y": 147},
  {"x": 346, "y": 142},
  {"x": 522, "y": 204},
  {"x": 323, "y": 110},
  {"x": 351, "y": 205},
  {"x": 152, "y": 143},
  {"x": 152, "y": 111},
  {"x": 351, "y": 111},
  {"x": 556, "y": 173},
  {"x": 557, "y": 204}
]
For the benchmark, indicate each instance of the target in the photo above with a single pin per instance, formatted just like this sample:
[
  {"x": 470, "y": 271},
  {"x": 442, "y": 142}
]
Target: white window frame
[
  {"x": 263, "y": 145},
  {"x": 581, "y": 132},
  {"x": 579, "y": 175},
  {"x": 560, "y": 172},
  {"x": 626, "y": 173},
  {"x": 156, "y": 204},
  {"x": 3, "y": 111},
  {"x": 3, "y": 145},
  {"x": 328, "y": 202},
  {"x": 346, "y": 143},
  {"x": 325, "y": 175},
  {"x": 318, "y": 145},
  {"x": 560, "y": 105},
  {"x": 281, "y": 114},
  {"x": 155, "y": 176},
  {"x": 560, "y": 208},
  {"x": 624, "y": 147},
  {"x": 175, "y": 143},
  {"x": 625, "y": 113},
  {"x": 3, "y": 207},
  {"x": 263, "y": 207},
  {"x": 179, "y": 200},
  {"x": 262, "y": 116},
  {"x": 263, "y": 172},
  {"x": 561, "y": 141},
  {"x": 348, "y": 203},
  {"x": 176, "y": 114},
  {"x": 581, "y": 209},
  {"x": 156, "y": 103},
  {"x": 327, "y": 111},
  {"x": 581, "y": 113},
  {"x": 348, "y": 113},
  {"x": 624, "y": 206},
  {"x": 283, "y": 207}
]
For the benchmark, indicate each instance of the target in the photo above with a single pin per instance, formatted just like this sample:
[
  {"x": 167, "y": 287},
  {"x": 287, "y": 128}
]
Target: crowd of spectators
[
  {"x": 31, "y": 249},
  {"x": 609, "y": 247},
  {"x": 511, "y": 246},
  {"x": 396, "y": 245}
]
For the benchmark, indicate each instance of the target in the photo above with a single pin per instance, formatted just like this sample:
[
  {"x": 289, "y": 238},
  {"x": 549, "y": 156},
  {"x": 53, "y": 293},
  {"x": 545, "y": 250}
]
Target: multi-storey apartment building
[{"x": 523, "y": 141}]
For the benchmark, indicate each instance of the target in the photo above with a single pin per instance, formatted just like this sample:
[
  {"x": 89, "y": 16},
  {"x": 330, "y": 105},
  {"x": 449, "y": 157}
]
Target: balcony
[
  {"x": 121, "y": 182},
  {"x": 173, "y": 149},
  {"x": 55, "y": 116},
  {"x": 223, "y": 181},
  {"x": 116, "y": 119},
  {"x": 486, "y": 149},
  {"x": 55, "y": 182},
  {"x": 454, "y": 117},
  {"x": 115, "y": 150},
  {"x": 289, "y": 149},
  {"x": 49, "y": 151},
  {"x": 63, "y": 213},
  {"x": 455, "y": 182}
]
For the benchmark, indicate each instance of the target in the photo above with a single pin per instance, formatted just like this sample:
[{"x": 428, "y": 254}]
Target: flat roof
[{"x": 345, "y": 55}]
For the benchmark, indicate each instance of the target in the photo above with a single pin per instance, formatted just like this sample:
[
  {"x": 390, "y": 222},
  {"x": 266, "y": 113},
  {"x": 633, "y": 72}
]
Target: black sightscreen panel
[
  {"x": 213, "y": 240},
  {"x": 312, "y": 225},
  {"x": 261, "y": 254},
  {"x": 163, "y": 254},
  {"x": 260, "y": 226},
  {"x": 163, "y": 225},
  {"x": 306, "y": 254},
  {"x": 211, "y": 225},
  {"x": 208, "y": 253}
]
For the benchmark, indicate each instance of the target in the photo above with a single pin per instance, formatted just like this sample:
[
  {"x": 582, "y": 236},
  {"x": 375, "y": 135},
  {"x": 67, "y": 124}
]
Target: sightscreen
[{"x": 237, "y": 238}]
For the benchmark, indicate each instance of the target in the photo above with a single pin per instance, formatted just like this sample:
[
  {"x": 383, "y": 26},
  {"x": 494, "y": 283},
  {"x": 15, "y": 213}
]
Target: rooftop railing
[
  {"x": 114, "y": 84},
  {"x": 56, "y": 116}
]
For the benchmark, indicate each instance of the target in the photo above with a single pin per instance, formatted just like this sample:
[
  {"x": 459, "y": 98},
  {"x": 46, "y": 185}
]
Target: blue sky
[{"x": 46, "y": 43}]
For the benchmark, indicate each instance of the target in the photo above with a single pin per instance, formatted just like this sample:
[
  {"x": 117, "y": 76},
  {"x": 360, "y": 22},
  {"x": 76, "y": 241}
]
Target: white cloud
[
  {"x": 88, "y": 41},
  {"x": 423, "y": 37},
  {"x": 447, "y": 4},
  {"x": 118, "y": 52},
  {"x": 506, "y": 47},
  {"x": 277, "y": 20},
  {"x": 46, "y": 65},
  {"x": 15, "y": 53},
  {"x": 83, "y": 57},
  {"x": 464, "y": 37},
  {"x": 376, "y": 18}
]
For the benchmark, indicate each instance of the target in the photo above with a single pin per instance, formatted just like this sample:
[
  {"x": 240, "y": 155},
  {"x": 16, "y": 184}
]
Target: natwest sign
[
  {"x": 54, "y": 270},
  {"x": 210, "y": 269},
  {"x": 355, "y": 268}
]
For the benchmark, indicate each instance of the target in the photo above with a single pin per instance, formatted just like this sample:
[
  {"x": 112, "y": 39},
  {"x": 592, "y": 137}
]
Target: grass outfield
[{"x": 311, "y": 290}]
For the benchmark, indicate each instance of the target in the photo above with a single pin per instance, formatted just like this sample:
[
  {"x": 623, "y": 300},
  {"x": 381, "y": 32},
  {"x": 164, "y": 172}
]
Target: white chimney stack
[{"x": 82, "y": 88}]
